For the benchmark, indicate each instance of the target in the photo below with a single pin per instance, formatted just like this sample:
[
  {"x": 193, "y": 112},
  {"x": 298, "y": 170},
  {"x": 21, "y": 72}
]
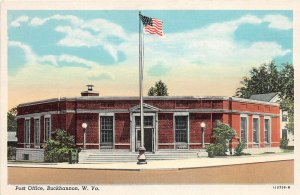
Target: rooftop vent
[{"x": 90, "y": 91}]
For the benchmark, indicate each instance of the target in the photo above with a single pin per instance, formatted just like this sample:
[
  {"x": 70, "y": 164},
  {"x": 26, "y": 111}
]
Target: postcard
[{"x": 130, "y": 97}]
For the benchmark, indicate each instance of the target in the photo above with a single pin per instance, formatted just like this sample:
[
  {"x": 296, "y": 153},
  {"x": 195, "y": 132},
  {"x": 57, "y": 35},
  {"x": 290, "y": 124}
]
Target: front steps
[{"x": 111, "y": 156}]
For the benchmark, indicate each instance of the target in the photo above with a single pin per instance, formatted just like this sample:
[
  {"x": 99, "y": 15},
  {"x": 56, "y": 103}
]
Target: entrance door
[{"x": 148, "y": 139}]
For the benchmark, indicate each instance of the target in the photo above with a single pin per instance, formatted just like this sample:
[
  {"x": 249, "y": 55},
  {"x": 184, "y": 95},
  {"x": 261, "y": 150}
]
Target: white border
[{"x": 159, "y": 4}]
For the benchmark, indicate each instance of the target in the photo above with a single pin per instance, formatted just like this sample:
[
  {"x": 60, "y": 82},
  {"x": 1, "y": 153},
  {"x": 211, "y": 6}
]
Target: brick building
[{"x": 171, "y": 123}]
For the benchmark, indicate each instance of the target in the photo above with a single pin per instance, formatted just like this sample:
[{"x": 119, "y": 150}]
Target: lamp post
[
  {"x": 203, "y": 125},
  {"x": 84, "y": 126}
]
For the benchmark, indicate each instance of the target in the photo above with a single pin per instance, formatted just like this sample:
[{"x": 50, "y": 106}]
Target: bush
[
  {"x": 284, "y": 143},
  {"x": 216, "y": 150},
  {"x": 11, "y": 153},
  {"x": 57, "y": 150},
  {"x": 221, "y": 134},
  {"x": 238, "y": 151}
]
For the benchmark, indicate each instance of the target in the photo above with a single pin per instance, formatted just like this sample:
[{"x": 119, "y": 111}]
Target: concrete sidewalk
[{"x": 165, "y": 164}]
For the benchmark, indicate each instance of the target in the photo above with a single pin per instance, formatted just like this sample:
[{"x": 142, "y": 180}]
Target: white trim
[
  {"x": 114, "y": 128},
  {"x": 48, "y": 116},
  {"x": 37, "y": 131},
  {"x": 247, "y": 126},
  {"x": 258, "y": 130},
  {"x": 37, "y": 114},
  {"x": 134, "y": 131},
  {"x": 270, "y": 130}
]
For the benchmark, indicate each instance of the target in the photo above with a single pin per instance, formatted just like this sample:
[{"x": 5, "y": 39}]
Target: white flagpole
[{"x": 141, "y": 157}]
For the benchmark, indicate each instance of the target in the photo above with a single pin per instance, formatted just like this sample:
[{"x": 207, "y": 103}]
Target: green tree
[
  {"x": 56, "y": 150},
  {"x": 222, "y": 133},
  {"x": 160, "y": 89},
  {"x": 268, "y": 78},
  {"x": 12, "y": 119},
  {"x": 264, "y": 79}
]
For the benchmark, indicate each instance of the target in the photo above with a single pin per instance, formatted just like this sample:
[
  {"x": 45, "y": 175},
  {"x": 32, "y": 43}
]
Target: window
[
  {"x": 27, "y": 132},
  {"x": 106, "y": 130},
  {"x": 47, "y": 129},
  {"x": 148, "y": 121},
  {"x": 255, "y": 131},
  {"x": 267, "y": 132},
  {"x": 244, "y": 129},
  {"x": 284, "y": 116},
  {"x": 37, "y": 132},
  {"x": 284, "y": 134},
  {"x": 181, "y": 127}
]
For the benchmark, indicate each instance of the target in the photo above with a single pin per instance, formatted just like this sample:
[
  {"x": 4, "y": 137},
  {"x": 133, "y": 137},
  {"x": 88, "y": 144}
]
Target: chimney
[{"x": 90, "y": 91}]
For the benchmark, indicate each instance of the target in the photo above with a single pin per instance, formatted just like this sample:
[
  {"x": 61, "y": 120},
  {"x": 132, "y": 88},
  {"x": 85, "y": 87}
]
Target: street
[{"x": 280, "y": 172}]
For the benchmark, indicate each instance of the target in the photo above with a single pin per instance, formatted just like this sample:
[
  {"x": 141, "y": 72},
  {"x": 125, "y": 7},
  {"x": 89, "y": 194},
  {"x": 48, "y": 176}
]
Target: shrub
[
  {"x": 221, "y": 134},
  {"x": 238, "y": 151},
  {"x": 11, "y": 153},
  {"x": 57, "y": 150},
  {"x": 284, "y": 143}
]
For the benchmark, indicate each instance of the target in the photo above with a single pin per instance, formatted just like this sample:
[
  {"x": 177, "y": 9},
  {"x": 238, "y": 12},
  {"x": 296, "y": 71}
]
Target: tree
[
  {"x": 12, "y": 119},
  {"x": 56, "y": 150},
  {"x": 160, "y": 89},
  {"x": 264, "y": 79},
  {"x": 222, "y": 133},
  {"x": 268, "y": 78}
]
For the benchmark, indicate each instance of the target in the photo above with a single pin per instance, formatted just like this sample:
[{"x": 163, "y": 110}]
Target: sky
[{"x": 202, "y": 53}]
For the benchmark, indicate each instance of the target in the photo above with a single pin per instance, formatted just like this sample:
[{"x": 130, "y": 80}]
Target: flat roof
[{"x": 147, "y": 98}]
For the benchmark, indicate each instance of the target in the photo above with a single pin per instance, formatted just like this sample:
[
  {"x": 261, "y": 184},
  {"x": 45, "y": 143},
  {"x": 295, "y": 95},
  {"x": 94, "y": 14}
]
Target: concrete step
[{"x": 99, "y": 156}]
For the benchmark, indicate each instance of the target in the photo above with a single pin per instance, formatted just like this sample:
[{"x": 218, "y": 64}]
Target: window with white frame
[
  {"x": 284, "y": 116},
  {"x": 256, "y": 132},
  {"x": 181, "y": 129},
  {"x": 27, "y": 131},
  {"x": 244, "y": 128},
  {"x": 267, "y": 131},
  {"x": 106, "y": 130},
  {"x": 37, "y": 132},
  {"x": 47, "y": 128}
]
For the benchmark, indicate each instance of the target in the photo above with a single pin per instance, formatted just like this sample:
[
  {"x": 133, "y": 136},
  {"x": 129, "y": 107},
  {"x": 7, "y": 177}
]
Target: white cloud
[
  {"x": 18, "y": 21},
  {"x": 193, "y": 58},
  {"x": 278, "y": 22}
]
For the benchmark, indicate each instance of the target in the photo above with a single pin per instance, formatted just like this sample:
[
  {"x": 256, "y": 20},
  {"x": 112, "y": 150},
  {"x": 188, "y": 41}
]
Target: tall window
[
  {"x": 37, "y": 132},
  {"x": 267, "y": 132},
  {"x": 106, "y": 130},
  {"x": 255, "y": 132},
  {"x": 244, "y": 129},
  {"x": 27, "y": 132},
  {"x": 47, "y": 129},
  {"x": 181, "y": 127}
]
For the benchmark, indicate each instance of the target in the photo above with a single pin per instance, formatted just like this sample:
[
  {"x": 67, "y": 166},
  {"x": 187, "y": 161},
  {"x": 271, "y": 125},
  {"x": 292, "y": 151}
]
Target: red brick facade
[{"x": 70, "y": 113}]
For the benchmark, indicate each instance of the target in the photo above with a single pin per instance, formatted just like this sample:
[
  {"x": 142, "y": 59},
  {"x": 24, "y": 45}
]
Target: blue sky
[{"x": 100, "y": 47}]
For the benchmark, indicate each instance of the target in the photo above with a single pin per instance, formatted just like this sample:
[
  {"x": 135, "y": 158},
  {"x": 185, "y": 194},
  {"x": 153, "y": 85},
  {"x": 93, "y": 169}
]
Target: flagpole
[{"x": 141, "y": 157}]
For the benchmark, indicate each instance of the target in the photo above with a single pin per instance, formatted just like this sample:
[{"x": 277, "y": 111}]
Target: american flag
[{"x": 152, "y": 25}]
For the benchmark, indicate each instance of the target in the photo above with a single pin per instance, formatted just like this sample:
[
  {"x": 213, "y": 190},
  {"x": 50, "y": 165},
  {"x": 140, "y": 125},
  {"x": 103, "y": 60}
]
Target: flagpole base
[{"x": 142, "y": 157}]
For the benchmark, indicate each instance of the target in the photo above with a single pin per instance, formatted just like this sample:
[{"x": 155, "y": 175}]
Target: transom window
[
  {"x": 181, "y": 127},
  {"x": 27, "y": 131},
  {"x": 244, "y": 129},
  {"x": 255, "y": 131},
  {"x": 37, "y": 132},
  {"x": 106, "y": 129},
  {"x": 148, "y": 121},
  {"x": 47, "y": 129}
]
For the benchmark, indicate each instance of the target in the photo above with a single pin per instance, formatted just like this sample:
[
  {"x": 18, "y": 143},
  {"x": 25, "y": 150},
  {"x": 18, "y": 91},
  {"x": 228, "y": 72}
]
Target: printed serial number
[{"x": 281, "y": 187}]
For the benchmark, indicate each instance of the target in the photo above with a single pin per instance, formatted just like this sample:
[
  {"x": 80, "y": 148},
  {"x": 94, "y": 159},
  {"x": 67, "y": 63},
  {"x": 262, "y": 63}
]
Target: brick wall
[
  {"x": 165, "y": 130},
  {"x": 122, "y": 128}
]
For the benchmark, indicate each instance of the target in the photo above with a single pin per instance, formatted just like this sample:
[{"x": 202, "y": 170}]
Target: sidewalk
[{"x": 165, "y": 164}]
